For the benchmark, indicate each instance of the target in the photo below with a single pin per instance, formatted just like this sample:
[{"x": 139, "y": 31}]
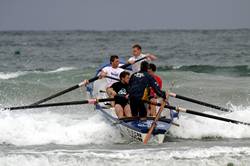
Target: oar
[
  {"x": 153, "y": 125},
  {"x": 199, "y": 102},
  {"x": 89, "y": 101},
  {"x": 112, "y": 78},
  {"x": 200, "y": 114},
  {"x": 77, "y": 86}
]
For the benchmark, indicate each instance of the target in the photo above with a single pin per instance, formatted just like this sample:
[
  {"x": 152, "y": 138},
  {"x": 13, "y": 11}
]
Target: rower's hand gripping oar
[
  {"x": 199, "y": 102},
  {"x": 153, "y": 125},
  {"x": 78, "y": 85},
  {"x": 200, "y": 114},
  {"x": 90, "y": 101}
]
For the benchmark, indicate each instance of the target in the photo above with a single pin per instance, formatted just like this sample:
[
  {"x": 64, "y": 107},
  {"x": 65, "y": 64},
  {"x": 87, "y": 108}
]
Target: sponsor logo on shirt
[
  {"x": 122, "y": 92},
  {"x": 139, "y": 75},
  {"x": 114, "y": 74}
]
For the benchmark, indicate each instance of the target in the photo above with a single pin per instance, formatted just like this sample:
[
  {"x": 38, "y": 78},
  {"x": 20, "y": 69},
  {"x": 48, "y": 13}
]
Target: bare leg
[
  {"x": 119, "y": 111},
  {"x": 127, "y": 111}
]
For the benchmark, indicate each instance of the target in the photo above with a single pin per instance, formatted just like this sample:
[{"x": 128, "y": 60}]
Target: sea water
[{"x": 208, "y": 65}]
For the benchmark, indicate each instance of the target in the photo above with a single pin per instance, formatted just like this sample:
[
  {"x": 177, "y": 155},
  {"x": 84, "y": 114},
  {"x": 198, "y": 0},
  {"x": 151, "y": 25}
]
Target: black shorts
[
  {"x": 121, "y": 100},
  {"x": 122, "y": 104},
  {"x": 138, "y": 107}
]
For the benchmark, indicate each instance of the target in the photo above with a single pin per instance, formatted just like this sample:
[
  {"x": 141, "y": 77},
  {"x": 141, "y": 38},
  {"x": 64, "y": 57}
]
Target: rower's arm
[
  {"x": 155, "y": 86},
  {"x": 151, "y": 57},
  {"x": 102, "y": 74},
  {"x": 111, "y": 92}
]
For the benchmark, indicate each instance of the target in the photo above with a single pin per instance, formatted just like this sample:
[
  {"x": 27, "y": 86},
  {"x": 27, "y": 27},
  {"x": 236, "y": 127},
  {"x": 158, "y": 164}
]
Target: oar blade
[{"x": 153, "y": 125}]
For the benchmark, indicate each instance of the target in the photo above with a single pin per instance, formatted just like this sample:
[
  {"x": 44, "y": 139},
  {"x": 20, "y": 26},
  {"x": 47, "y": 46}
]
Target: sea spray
[
  {"x": 44, "y": 127},
  {"x": 196, "y": 127}
]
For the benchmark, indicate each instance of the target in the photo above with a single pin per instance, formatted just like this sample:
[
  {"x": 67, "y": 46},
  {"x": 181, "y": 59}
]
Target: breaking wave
[
  {"x": 196, "y": 127},
  {"x": 10, "y": 75},
  {"x": 240, "y": 70},
  {"x": 74, "y": 128},
  {"x": 45, "y": 127}
]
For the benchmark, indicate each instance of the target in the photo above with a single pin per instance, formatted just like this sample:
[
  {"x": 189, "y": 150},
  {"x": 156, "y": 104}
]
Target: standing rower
[
  {"x": 139, "y": 85},
  {"x": 153, "y": 96}
]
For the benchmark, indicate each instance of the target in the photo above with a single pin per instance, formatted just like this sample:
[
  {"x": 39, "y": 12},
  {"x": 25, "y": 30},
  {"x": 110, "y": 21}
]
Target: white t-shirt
[
  {"x": 136, "y": 67},
  {"x": 112, "y": 72}
]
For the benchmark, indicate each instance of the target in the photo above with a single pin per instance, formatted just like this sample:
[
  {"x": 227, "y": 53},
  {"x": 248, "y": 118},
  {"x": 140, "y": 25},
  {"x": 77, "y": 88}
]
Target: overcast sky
[{"x": 123, "y": 14}]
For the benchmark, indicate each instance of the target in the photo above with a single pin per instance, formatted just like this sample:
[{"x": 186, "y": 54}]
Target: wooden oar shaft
[
  {"x": 153, "y": 125},
  {"x": 201, "y": 114},
  {"x": 199, "y": 102},
  {"x": 90, "y": 101}
]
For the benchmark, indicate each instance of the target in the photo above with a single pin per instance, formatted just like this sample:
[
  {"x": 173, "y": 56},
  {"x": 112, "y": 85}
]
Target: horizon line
[{"x": 124, "y": 30}]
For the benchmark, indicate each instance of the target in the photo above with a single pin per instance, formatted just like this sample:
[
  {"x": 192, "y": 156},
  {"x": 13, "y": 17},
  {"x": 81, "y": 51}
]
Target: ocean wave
[
  {"x": 61, "y": 69},
  {"x": 10, "y": 75},
  {"x": 21, "y": 128},
  {"x": 29, "y": 128},
  {"x": 196, "y": 127},
  {"x": 238, "y": 70},
  {"x": 216, "y": 155}
]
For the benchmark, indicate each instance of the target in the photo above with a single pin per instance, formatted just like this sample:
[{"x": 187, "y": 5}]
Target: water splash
[
  {"x": 30, "y": 128},
  {"x": 196, "y": 127}
]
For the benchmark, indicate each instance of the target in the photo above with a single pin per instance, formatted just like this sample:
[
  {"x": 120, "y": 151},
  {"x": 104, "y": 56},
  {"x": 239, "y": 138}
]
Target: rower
[
  {"x": 119, "y": 90},
  {"x": 153, "y": 96},
  {"x": 137, "y": 54},
  {"x": 139, "y": 90},
  {"x": 111, "y": 71}
]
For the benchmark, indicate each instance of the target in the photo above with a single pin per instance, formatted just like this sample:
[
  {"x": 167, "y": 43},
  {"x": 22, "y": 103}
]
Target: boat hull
[{"x": 135, "y": 129}]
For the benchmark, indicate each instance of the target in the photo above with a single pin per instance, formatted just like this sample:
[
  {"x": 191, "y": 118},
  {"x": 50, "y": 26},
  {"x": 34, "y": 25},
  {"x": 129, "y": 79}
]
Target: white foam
[
  {"x": 196, "y": 127},
  {"x": 9, "y": 75},
  {"x": 141, "y": 157},
  {"x": 43, "y": 127},
  {"x": 47, "y": 127},
  {"x": 177, "y": 67},
  {"x": 61, "y": 69}
]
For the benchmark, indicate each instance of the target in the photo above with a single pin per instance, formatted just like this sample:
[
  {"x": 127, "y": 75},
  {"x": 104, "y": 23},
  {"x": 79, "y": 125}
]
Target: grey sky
[{"x": 123, "y": 14}]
